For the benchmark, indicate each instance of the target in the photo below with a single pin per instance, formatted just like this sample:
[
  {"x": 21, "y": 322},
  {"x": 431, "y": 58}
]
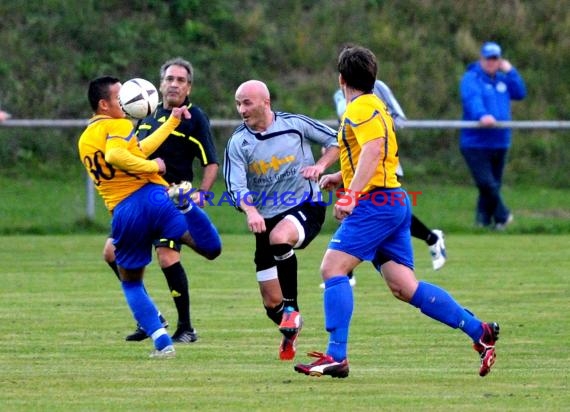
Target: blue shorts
[
  {"x": 378, "y": 230},
  {"x": 138, "y": 220}
]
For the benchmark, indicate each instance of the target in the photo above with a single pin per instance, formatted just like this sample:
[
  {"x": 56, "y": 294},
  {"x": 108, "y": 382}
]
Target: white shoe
[
  {"x": 503, "y": 226},
  {"x": 180, "y": 194},
  {"x": 437, "y": 250},
  {"x": 165, "y": 353},
  {"x": 352, "y": 282}
]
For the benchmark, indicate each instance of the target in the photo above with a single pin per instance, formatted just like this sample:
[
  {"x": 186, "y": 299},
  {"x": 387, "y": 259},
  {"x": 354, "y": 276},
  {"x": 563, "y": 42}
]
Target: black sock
[
  {"x": 276, "y": 313},
  {"x": 286, "y": 261},
  {"x": 178, "y": 285},
  {"x": 421, "y": 231},
  {"x": 113, "y": 265}
]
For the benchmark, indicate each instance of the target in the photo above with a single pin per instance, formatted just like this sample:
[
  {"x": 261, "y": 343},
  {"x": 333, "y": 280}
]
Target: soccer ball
[{"x": 138, "y": 98}]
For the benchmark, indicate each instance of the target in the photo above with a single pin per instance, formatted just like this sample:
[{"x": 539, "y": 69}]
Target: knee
[
  {"x": 278, "y": 237},
  {"x": 213, "y": 253},
  {"x": 401, "y": 280},
  {"x": 167, "y": 257},
  {"x": 213, "y": 250},
  {"x": 403, "y": 291}
]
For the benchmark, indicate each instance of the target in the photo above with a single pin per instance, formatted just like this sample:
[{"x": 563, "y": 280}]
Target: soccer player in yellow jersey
[
  {"x": 135, "y": 194},
  {"x": 375, "y": 217}
]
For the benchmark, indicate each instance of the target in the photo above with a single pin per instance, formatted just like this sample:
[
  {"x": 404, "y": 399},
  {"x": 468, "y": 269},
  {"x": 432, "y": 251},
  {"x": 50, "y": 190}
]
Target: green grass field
[{"x": 63, "y": 322}]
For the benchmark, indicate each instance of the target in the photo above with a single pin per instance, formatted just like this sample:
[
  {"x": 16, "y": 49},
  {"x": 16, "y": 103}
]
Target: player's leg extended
[
  {"x": 205, "y": 238},
  {"x": 282, "y": 238},
  {"x": 267, "y": 278},
  {"x": 438, "y": 304}
]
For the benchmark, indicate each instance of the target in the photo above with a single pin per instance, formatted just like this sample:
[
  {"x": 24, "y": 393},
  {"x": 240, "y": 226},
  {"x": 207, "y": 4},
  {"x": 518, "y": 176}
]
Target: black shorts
[{"x": 308, "y": 217}]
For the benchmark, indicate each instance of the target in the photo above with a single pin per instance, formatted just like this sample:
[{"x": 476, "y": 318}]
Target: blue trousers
[{"x": 487, "y": 167}]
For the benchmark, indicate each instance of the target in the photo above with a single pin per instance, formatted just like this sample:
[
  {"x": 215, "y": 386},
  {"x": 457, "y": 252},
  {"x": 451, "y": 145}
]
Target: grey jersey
[{"x": 268, "y": 165}]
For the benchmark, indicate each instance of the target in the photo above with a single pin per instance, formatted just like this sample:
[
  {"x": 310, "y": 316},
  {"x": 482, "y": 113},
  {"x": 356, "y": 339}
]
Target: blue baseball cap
[{"x": 490, "y": 49}]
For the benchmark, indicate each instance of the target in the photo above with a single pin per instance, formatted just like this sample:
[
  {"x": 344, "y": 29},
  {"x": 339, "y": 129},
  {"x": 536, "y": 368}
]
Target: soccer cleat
[
  {"x": 180, "y": 194},
  {"x": 437, "y": 250},
  {"x": 165, "y": 353},
  {"x": 288, "y": 347},
  {"x": 290, "y": 327},
  {"x": 291, "y": 322},
  {"x": 324, "y": 365},
  {"x": 486, "y": 347},
  {"x": 139, "y": 334},
  {"x": 185, "y": 336}
]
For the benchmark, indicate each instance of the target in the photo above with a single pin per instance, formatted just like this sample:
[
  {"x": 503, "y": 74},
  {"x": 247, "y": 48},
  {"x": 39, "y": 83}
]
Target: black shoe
[
  {"x": 139, "y": 334},
  {"x": 185, "y": 336}
]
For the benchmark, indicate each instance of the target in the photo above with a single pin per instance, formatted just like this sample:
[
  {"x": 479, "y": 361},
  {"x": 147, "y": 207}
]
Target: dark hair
[
  {"x": 358, "y": 67},
  {"x": 99, "y": 89},
  {"x": 178, "y": 61}
]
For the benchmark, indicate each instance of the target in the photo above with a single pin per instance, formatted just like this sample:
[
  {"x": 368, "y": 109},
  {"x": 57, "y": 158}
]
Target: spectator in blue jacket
[{"x": 487, "y": 88}]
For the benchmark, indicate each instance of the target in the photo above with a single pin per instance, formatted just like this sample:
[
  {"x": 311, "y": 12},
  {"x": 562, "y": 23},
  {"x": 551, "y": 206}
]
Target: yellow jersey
[
  {"x": 114, "y": 159},
  {"x": 366, "y": 118}
]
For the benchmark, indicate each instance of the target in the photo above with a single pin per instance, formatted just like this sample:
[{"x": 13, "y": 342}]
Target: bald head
[
  {"x": 253, "y": 88},
  {"x": 253, "y": 103}
]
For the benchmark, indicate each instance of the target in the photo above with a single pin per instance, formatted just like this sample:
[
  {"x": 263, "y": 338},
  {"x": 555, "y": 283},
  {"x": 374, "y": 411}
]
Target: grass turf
[{"x": 63, "y": 322}]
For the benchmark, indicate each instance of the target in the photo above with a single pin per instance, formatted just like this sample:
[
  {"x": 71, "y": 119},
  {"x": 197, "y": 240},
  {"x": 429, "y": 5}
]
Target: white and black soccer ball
[{"x": 138, "y": 98}]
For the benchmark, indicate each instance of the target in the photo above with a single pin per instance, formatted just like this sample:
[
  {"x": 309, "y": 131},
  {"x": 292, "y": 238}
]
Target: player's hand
[
  {"x": 255, "y": 222},
  {"x": 161, "y": 166},
  {"x": 312, "y": 172},
  {"x": 343, "y": 210},
  {"x": 330, "y": 182},
  {"x": 181, "y": 112},
  {"x": 487, "y": 121},
  {"x": 505, "y": 66}
]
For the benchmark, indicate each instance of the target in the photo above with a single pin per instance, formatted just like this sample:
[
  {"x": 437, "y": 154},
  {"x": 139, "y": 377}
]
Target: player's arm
[
  {"x": 209, "y": 176},
  {"x": 154, "y": 140},
  {"x": 319, "y": 133},
  {"x": 206, "y": 150},
  {"x": 117, "y": 153},
  {"x": 370, "y": 155},
  {"x": 329, "y": 157}
]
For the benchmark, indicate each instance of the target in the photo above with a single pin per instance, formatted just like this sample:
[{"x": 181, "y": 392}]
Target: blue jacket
[{"x": 482, "y": 94}]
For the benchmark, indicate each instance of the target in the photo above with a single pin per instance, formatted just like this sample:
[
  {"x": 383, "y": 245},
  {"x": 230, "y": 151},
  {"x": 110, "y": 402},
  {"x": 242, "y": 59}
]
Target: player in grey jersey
[{"x": 271, "y": 176}]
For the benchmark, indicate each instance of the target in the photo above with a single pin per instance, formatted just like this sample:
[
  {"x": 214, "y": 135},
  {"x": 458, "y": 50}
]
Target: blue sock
[
  {"x": 203, "y": 232},
  {"x": 145, "y": 312},
  {"x": 436, "y": 303},
  {"x": 338, "y": 304},
  {"x": 162, "y": 341}
]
